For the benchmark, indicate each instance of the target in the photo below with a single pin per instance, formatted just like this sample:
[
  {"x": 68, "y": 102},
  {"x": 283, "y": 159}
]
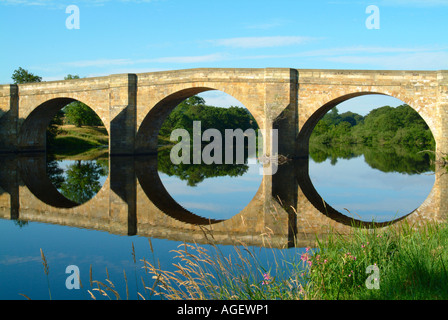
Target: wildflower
[{"x": 267, "y": 279}]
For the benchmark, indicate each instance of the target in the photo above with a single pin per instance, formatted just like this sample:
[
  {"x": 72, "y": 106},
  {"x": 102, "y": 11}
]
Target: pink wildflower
[
  {"x": 267, "y": 279},
  {"x": 304, "y": 257}
]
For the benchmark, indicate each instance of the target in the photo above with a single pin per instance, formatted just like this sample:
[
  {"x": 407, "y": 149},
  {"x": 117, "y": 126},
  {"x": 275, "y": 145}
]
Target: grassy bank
[
  {"x": 410, "y": 263},
  {"x": 72, "y": 140},
  {"x": 394, "y": 264}
]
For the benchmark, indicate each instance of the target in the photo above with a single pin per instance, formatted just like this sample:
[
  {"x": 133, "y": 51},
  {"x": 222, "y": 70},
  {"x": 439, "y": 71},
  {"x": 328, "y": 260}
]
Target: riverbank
[
  {"x": 397, "y": 263},
  {"x": 394, "y": 263},
  {"x": 72, "y": 140}
]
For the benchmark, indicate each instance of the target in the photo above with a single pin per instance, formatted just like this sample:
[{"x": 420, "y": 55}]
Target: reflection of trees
[
  {"x": 54, "y": 172},
  {"x": 80, "y": 182},
  {"x": 386, "y": 159},
  {"x": 196, "y": 173}
]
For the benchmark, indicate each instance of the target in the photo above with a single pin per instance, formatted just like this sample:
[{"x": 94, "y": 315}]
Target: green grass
[
  {"x": 411, "y": 264},
  {"x": 73, "y": 140}
]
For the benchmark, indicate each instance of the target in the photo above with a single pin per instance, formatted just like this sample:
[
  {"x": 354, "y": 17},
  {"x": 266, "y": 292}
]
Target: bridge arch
[
  {"x": 302, "y": 167},
  {"x": 146, "y": 143},
  {"x": 147, "y": 132},
  {"x": 319, "y": 112},
  {"x": 32, "y": 135}
]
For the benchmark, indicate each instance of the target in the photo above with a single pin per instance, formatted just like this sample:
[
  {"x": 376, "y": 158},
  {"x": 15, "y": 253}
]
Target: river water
[{"x": 365, "y": 183}]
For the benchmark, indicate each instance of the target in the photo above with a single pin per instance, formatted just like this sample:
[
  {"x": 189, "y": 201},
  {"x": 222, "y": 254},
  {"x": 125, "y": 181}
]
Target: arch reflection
[{"x": 133, "y": 201}]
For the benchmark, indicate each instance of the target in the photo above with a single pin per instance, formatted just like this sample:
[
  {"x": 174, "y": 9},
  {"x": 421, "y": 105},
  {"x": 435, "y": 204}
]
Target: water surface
[{"x": 368, "y": 184}]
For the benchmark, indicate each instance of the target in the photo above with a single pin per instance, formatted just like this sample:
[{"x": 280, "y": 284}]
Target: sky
[{"x": 135, "y": 36}]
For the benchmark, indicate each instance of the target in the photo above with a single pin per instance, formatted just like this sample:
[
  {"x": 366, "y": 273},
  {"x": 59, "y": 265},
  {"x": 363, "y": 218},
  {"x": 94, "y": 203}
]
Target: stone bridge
[{"x": 133, "y": 108}]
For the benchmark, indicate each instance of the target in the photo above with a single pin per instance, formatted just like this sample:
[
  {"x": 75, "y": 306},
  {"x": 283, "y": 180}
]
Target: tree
[
  {"x": 83, "y": 181},
  {"x": 71, "y": 77},
  {"x": 79, "y": 114},
  {"x": 24, "y": 76}
]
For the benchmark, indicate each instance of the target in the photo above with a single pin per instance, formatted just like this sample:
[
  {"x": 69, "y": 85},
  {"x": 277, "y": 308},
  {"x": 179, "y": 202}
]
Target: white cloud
[
  {"x": 260, "y": 42},
  {"x": 65, "y": 3},
  {"x": 212, "y": 207},
  {"x": 417, "y": 60},
  {"x": 220, "y": 99},
  {"x": 186, "y": 59}
]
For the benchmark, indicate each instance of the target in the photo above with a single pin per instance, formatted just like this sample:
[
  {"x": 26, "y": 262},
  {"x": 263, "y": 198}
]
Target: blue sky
[{"x": 120, "y": 36}]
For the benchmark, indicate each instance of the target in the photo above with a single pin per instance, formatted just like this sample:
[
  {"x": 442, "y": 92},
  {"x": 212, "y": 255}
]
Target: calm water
[
  {"x": 373, "y": 186},
  {"x": 369, "y": 185}
]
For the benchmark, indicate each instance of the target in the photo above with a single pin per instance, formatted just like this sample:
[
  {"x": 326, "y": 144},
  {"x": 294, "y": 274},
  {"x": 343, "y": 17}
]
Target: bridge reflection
[{"x": 286, "y": 211}]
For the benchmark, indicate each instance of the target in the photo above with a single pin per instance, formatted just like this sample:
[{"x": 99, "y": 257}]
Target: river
[{"x": 363, "y": 182}]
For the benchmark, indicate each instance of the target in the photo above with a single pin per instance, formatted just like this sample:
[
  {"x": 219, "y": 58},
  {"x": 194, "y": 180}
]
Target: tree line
[
  {"x": 211, "y": 117},
  {"x": 386, "y": 125}
]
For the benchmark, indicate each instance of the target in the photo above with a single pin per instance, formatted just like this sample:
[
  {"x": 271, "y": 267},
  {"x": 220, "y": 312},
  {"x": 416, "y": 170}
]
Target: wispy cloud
[
  {"x": 394, "y": 3},
  {"x": 414, "y": 3},
  {"x": 416, "y": 60},
  {"x": 98, "y": 63},
  {"x": 212, "y": 207},
  {"x": 371, "y": 56},
  {"x": 260, "y": 42},
  {"x": 106, "y": 63},
  {"x": 65, "y": 3},
  {"x": 266, "y": 25},
  {"x": 186, "y": 59}
]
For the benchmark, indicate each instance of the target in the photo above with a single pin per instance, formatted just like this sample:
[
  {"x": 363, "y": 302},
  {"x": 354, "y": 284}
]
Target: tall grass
[{"x": 411, "y": 262}]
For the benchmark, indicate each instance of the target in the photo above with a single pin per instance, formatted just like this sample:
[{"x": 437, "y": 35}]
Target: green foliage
[
  {"x": 71, "y": 77},
  {"x": 21, "y": 75},
  {"x": 53, "y": 128},
  {"x": 411, "y": 261},
  {"x": 382, "y": 126},
  {"x": 82, "y": 181},
  {"x": 194, "y": 109},
  {"x": 390, "y": 158},
  {"x": 79, "y": 114},
  {"x": 196, "y": 173}
]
